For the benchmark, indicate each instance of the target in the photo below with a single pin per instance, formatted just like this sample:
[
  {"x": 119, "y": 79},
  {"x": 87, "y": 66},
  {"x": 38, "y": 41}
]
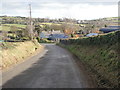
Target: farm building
[
  {"x": 58, "y": 36},
  {"x": 54, "y": 35},
  {"x": 44, "y": 34},
  {"x": 92, "y": 34},
  {"x": 110, "y": 29}
]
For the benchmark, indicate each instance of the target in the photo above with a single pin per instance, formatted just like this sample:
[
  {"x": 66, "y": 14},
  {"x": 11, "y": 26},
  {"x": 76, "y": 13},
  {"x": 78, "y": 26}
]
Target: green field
[
  {"x": 4, "y": 28},
  {"x": 7, "y": 27},
  {"x": 17, "y": 25},
  {"x": 49, "y": 24}
]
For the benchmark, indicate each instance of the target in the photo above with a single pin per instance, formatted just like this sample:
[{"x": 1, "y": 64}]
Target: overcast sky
[{"x": 78, "y": 9}]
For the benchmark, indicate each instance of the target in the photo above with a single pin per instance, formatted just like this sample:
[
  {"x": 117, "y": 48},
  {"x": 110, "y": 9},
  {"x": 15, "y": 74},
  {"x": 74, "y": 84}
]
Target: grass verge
[
  {"x": 101, "y": 59},
  {"x": 14, "y": 53}
]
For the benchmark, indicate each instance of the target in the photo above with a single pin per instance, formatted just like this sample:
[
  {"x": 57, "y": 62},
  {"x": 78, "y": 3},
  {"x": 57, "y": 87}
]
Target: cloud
[
  {"x": 93, "y": 11},
  {"x": 60, "y": 0},
  {"x": 78, "y": 9}
]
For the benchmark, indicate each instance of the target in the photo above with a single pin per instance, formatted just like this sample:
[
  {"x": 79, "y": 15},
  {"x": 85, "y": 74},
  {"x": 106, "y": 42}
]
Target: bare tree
[{"x": 69, "y": 28}]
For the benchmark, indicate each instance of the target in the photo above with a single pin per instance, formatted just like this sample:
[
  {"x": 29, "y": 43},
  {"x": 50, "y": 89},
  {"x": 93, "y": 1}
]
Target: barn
[
  {"x": 110, "y": 29},
  {"x": 57, "y": 36}
]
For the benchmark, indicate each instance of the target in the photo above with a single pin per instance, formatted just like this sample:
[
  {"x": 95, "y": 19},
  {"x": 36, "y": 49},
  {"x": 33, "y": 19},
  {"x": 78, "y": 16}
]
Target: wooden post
[{"x": 30, "y": 23}]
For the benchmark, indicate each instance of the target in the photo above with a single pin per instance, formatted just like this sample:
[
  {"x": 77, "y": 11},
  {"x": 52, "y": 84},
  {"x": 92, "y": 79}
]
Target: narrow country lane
[{"x": 54, "y": 68}]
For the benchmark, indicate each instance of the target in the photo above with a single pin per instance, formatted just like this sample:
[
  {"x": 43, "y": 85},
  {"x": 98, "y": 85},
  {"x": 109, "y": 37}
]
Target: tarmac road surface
[{"x": 53, "y": 68}]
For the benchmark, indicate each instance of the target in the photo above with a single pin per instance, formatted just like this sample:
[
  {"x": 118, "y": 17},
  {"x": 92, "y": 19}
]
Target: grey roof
[{"x": 110, "y": 29}]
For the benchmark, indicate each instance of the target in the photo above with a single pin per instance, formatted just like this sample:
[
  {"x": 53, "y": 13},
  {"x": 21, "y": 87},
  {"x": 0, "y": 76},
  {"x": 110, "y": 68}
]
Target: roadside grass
[
  {"x": 104, "y": 61},
  {"x": 13, "y": 53},
  {"x": 100, "y": 54},
  {"x": 9, "y": 45}
]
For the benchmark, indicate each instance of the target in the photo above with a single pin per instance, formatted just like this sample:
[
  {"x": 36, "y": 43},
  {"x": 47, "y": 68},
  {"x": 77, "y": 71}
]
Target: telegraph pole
[{"x": 30, "y": 22}]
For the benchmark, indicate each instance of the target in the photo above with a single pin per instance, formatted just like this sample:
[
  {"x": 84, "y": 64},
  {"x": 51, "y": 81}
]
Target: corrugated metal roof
[
  {"x": 44, "y": 35},
  {"x": 58, "y": 36},
  {"x": 92, "y": 34},
  {"x": 110, "y": 29}
]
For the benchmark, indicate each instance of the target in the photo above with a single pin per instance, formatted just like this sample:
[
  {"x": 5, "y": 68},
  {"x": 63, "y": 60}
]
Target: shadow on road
[{"x": 54, "y": 70}]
